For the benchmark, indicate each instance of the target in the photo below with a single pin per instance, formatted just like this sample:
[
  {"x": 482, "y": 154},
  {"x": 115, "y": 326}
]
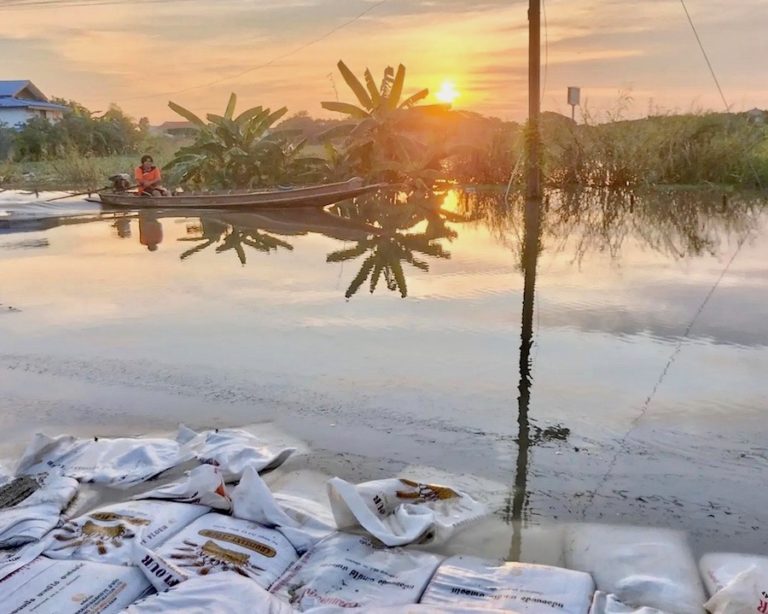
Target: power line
[
  {"x": 706, "y": 57},
  {"x": 265, "y": 64}
]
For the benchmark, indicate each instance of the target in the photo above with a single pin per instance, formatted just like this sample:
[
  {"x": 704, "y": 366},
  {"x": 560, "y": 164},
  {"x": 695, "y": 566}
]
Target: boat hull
[{"x": 310, "y": 196}]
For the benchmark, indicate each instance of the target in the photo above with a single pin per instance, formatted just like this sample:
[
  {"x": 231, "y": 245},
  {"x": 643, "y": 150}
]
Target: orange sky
[{"x": 141, "y": 53}]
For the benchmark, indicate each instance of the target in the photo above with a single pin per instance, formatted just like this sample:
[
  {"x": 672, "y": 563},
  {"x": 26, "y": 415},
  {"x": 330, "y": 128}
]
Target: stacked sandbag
[
  {"x": 398, "y": 512},
  {"x": 71, "y": 587},
  {"x": 232, "y": 451},
  {"x": 203, "y": 485},
  {"x": 303, "y": 521},
  {"x": 519, "y": 587},
  {"x": 737, "y": 582},
  {"x": 603, "y": 603},
  {"x": 641, "y": 567},
  {"x": 107, "y": 534},
  {"x": 121, "y": 462},
  {"x": 30, "y": 505},
  {"x": 350, "y": 571},
  {"x": 215, "y": 543},
  {"x": 223, "y": 593}
]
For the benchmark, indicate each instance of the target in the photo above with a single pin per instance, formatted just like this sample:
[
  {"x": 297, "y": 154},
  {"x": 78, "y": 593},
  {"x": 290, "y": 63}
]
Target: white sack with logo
[
  {"x": 641, "y": 566},
  {"x": 417, "y": 608},
  {"x": 122, "y": 462},
  {"x": 737, "y": 582},
  {"x": 399, "y": 511},
  {"x": 71, "y": 587},
  {"x": 603, "y": 603},
  {"x": 222, "y": 593},
  {"x": 30, "y": 505},
  {"x": 217, "y": 543},
  {"x": 352, "y": 571},
  {"x": 15, "y": 558},
  {"x": 232, "y": 450},
  {"x": 106, "y": 535},
  {"x": 521, "y": 587},
  {"x": 303, "y": 521},
  {"x": 203, "y": 485}
]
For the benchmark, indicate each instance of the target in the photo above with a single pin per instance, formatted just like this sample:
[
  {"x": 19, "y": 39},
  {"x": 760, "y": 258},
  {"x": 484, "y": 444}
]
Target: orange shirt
[{"x": 151, "y": 176}]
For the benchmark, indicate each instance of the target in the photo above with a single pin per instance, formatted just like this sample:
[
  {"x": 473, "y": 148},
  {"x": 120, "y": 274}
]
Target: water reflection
[{"x": 406, "y": 228}]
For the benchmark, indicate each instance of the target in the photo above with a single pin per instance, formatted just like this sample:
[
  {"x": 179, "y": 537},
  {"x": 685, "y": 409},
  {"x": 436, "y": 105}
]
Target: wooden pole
[{"x": 533, "y": 170}]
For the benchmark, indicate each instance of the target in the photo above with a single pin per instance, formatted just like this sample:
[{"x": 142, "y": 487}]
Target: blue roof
[
  {"x": 15, "y": 103},
  {"x": 11, "y": 88}
]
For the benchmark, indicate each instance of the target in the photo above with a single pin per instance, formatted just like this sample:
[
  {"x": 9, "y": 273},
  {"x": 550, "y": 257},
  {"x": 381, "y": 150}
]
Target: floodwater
[{"x": 604, "y": 361}]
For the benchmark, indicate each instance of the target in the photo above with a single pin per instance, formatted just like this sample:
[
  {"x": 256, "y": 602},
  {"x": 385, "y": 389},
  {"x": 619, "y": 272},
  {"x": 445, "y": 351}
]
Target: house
[
  {"x": 176, "y": 129},
  {"x": 20, "y": 101}
]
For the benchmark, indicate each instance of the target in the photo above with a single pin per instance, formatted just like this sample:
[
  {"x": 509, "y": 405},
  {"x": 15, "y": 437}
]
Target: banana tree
[
  {"x": 239, "y": 151},
  {"x": 380, "y": 137}
]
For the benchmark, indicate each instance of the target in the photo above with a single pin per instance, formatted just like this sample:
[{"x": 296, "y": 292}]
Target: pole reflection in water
[{"x": 529, "y": 260}]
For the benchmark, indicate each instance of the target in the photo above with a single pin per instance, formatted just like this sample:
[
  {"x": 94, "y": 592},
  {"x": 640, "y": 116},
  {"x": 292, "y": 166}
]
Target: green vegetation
[
  {"x": 240, "y": 151},
  {"x": 381, "y": 137}
]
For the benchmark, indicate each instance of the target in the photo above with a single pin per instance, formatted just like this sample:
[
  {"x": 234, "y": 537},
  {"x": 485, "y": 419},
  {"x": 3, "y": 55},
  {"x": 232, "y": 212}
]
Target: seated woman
[{"x": 148, "y": 178}]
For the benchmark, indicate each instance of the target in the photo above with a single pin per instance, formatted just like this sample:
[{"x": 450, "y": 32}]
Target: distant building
[
  {"x": 757, "y": 116},
  {"x": 20, "y": 101},
  {"x": 176, "y": 129}
]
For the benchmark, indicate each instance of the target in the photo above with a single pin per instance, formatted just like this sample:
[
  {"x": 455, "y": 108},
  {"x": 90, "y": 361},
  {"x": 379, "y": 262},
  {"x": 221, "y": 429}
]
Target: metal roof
[
  {"x": 13, "y": 88},
  {"x": 15, "y": 103}
]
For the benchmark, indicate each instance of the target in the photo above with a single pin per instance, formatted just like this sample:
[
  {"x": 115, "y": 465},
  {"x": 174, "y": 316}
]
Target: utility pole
[{"x": 533, "y": 141}]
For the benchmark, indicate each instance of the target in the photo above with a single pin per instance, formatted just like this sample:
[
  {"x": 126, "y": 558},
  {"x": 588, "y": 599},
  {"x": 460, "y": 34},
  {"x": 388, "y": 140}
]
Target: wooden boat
[{"x": 277, "y": 198}]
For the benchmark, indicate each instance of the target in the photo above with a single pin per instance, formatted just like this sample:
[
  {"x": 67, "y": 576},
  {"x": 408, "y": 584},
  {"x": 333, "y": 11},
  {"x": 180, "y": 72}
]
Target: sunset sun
[{"x": 447, "y": 92}]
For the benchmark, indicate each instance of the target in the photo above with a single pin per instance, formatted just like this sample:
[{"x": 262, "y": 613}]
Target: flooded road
[{"x": 607, "y": 364}]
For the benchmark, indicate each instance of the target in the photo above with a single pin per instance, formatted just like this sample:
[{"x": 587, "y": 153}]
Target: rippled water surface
[{"x": 610, "y": 365}]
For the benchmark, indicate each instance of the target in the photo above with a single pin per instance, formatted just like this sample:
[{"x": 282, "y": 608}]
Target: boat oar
[{"x": 89, "y": 192}]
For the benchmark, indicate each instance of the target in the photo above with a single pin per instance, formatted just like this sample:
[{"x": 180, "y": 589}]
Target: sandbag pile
[{"x": 213, "y": 536}]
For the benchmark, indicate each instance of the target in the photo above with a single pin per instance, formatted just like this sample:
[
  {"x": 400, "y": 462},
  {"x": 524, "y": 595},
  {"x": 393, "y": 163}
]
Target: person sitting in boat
[{"x": 148, "y": 178}]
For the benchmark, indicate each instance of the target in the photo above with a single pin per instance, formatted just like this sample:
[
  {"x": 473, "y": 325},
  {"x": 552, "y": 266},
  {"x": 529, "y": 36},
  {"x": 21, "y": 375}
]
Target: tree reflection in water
[
  {"x": 231, "y": 237},
  {"x": 406, "y": 227}
]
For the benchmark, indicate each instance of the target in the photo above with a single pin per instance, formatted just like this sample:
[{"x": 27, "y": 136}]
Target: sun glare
[{"x": 448, "y": 92}]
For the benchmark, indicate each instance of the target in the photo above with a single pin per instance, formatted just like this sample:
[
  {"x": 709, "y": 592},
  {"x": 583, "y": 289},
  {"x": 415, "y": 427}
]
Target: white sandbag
[
  {"x": 121, "y": 463},
  {"x": 222, "y": 593},
  {"x": 603, "y": 603},
  {"x": 720, "y": 568},
  {"x": 400, "y": 511},
  {"x": 30, "y": 505},
  {"x": 521, "y": 587},
  {"x": 303, "y": 521},
  {"x": 203, "y": 485},
  {"x": 15, "y": 558},
  {"x": 71, "y": 587},
  {"x": 738, "y": 583},
  {"x": 416, "y": 608},
  {"x": 232, "y": 450},
  {"x": 351, "y": 571},
  {"x": 216, "y": 543},
  {"x": 640, "y": 566},
  {"x": 105, "y": 535}
]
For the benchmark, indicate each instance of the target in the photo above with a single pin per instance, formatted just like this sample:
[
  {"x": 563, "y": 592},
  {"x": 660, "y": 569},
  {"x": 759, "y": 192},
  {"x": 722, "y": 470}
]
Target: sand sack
[
  {"x": 106, "y": 535},
  {"x": 303, "y": 522},
  {"x": 71, "y": 587},
  {"x": 222, "y": 593},
  {"x": 399, "y": 511},
  {"x": 642, "y": 567},
  {"x": 204, "y": 485},
  {"x": 603, "y": 603},
  {"x": 30, "y": 505},
  {"x": 520, "y": 587},
  {"x": 737, "y": 582},
  {"x": 351, "y": 571},
  {"x": 216, "y": 543},
  {"x": 121, "y": 463},
  {"x": 232, "y": 450}
]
